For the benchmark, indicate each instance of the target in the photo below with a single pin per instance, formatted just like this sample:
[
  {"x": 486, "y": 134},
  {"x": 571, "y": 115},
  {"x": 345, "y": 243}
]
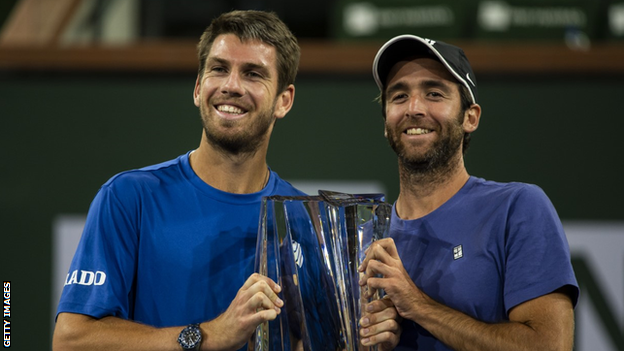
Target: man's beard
[
  {"x": 245, "y": 142},
  {"x": 436, "y": 160}
]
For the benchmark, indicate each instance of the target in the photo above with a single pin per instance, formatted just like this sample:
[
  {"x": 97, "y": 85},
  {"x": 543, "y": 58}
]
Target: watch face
[{"x": 190, "y": 337}]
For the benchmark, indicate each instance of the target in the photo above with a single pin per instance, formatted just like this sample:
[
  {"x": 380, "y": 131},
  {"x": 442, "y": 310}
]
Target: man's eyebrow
[
  {"x": 256, "y": 66},
  {"x": 214, "y": 59},
  {"x": 398, "y": 86},
  {"x": 434, "y": 83},
  {"x": 425, "y": 84},
  {"x": 247, "y": 66}
]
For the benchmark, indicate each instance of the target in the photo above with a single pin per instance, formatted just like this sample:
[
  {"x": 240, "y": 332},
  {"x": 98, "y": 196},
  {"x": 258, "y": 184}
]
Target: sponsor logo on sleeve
[{"x": 82, "y": 277}]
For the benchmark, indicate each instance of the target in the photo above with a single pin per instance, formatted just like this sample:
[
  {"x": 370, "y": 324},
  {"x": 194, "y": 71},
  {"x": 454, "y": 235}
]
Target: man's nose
[
  {"x": 232, "y": 85},
  {"x": 416, "y": 105}
]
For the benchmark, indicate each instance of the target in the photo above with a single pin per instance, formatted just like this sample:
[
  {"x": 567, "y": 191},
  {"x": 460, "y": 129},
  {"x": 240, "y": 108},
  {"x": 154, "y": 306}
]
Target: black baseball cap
[{"x": 404, "y": 46}]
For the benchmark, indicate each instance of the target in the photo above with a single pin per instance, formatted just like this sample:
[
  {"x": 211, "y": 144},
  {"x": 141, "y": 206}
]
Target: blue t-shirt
[
  {"x": 491, "y": 247},
  {"x": 163, "y": 248}
]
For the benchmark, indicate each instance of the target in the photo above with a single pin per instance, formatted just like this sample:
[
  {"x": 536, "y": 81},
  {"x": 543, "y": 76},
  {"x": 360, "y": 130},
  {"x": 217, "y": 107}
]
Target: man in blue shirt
[
  {"x": 172, "y": 244},
  {"x": 471, "y": 264}
]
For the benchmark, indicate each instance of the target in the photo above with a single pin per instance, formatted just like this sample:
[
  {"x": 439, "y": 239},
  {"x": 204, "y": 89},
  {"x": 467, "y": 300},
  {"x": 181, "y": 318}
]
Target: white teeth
[
  {"x": 417, "y": 131},
  {"x": 230, "y": 109}
]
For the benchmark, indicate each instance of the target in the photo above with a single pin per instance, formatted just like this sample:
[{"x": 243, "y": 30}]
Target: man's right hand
[{"x": 256, "y": 302}]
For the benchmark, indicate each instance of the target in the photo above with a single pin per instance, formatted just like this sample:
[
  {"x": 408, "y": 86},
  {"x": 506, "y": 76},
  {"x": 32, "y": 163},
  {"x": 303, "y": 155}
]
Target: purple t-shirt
[{"x": 491, "y": 247}]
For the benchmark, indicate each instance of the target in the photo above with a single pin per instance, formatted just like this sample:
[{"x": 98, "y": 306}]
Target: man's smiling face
[
  {"x": 237, "y": 94},
  {"x": 423, "y": 113}
]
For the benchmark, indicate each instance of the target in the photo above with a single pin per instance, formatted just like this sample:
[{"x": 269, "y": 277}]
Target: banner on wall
[
  {"x": 598, "y": 258},
  {"x": 383, "y": 19}
]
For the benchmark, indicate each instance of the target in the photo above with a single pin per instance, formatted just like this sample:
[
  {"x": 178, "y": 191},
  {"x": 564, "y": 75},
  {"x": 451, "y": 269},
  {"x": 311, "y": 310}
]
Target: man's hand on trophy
[
  {"x": 380, "y": 325},
  {"x": 383, "y": 269},
  {"x": 255, "y": 302}
]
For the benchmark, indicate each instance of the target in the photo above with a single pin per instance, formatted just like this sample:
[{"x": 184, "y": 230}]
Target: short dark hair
[
  {"x": 255, "y": 25},
  {"x": 465, "y": 103}
]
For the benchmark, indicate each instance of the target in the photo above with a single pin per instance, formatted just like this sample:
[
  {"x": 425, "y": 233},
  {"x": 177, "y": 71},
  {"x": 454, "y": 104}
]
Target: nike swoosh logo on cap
[{"x": 470, "y": 80}]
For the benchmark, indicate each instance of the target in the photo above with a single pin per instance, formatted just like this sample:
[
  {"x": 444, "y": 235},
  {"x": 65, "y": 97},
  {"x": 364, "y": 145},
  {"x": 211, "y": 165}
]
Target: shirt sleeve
[
  {"x": 100, "y": 279},
  {"x": 537, "y": 251}
]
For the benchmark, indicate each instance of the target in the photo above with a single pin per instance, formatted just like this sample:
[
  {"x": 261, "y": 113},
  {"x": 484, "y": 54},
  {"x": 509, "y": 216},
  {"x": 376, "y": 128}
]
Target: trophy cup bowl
[{"x": 312, "y": 246}]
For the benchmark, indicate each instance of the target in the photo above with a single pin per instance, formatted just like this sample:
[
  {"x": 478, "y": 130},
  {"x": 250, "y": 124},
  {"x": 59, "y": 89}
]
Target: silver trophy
[{"x": 313, "y": 246}]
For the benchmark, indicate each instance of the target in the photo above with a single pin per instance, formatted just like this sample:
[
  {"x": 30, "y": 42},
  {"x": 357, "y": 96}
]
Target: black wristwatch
[{"x": 190, "y": 338}]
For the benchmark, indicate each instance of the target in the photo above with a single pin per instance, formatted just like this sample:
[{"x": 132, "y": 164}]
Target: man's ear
[
  {"x": 284, "y": 102},
  {"x": 197, "y": 92},
  {"x": 472, "y": 116}
]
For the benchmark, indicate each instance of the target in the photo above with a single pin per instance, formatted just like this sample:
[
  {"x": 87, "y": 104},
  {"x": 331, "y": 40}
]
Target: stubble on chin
[
  {"x": 221, "y": 135},
  {"x": 435, "y": 161}
]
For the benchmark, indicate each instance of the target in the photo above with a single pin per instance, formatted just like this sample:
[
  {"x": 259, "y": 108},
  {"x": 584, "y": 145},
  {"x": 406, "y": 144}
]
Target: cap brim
[{"x": 393, "y": 51}]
